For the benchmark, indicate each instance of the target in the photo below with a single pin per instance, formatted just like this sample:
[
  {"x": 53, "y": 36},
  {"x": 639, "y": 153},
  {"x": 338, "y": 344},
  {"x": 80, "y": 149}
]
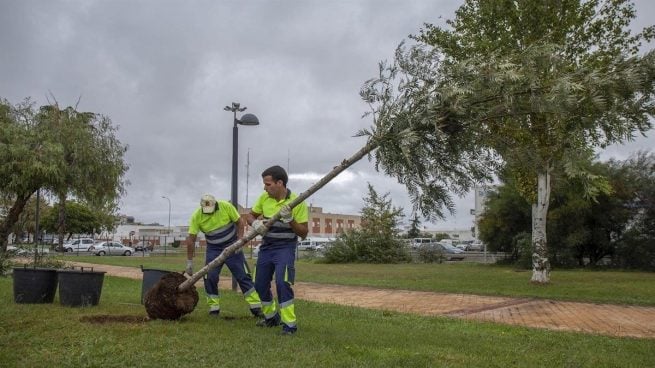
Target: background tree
[
  {"x": 26, "y": 223},
  {"x": 506, "y": 215},
  {"x": 531, "y": 84},
  {"x": 64, "y": 152},
  {"x": 414, "y": 227},
  {"x": 89, "y": 150},
  {"x": 28, "y": 159},
  {"x": 378, "y": 239},
  {"x": 582, "y": 232},
  {"x": 635, "y": 247},
  {"x": 80, "y": 219}
]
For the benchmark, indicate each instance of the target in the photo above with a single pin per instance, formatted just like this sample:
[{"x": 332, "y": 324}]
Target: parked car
[
  {"x": 16, "y": 251},
  {"x": 450, "y": 248},
  {"x": 475, "y": 246},
  {"x": 81, "y": 245},
  {"x": 451, "y": 252},
  {"x": 313, "y": 243},
  {"x": 463, "y": 244},
  {"x": 142, "y": 247},
  {"x": 26, "y": 250},
  {"x": 111, "y": 248}
]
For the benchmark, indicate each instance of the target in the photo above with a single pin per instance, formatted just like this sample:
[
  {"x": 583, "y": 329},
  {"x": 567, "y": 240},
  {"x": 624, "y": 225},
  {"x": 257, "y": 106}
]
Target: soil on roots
[{"x": 165, "y": 301}]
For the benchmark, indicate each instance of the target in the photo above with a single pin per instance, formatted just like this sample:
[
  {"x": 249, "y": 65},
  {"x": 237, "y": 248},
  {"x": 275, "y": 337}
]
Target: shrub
[
  {"x": 523, "y": 247},
  {"x": 635, "y": 251},
  {"x": 343, "y": 250},
  {"x": 5, "y": 264},
  {"x": 47, "y": 261},
  {"x": 430, "y": 254},
  {"x": 355, "y": 246}
]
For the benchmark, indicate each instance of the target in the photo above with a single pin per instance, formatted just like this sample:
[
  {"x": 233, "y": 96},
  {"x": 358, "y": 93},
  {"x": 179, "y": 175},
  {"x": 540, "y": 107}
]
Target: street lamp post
[
  {"x": 169, "y": 213},
  {"x": 37, "y": 238},
  {"x": 246, "y": 119}
]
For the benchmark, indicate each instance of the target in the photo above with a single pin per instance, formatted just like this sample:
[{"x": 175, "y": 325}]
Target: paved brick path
[{"x": 605, "y": 319}]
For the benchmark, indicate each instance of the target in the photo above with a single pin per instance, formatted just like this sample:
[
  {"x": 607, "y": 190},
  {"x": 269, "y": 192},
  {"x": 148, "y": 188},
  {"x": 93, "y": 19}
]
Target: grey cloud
[{"x": 163, "y": 70}]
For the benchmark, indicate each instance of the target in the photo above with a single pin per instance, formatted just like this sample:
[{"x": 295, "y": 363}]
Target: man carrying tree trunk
[
  {"x": 218, "y": 220},
  {"x": 278, "y": 249}
]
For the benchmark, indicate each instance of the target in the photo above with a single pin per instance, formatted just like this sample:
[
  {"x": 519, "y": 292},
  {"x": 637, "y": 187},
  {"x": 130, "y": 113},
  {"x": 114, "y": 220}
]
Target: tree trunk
[
  {"x": 61, "y": 223},
  {"x": 12, "y": 218},
  {"x": 540, "y": 263}
]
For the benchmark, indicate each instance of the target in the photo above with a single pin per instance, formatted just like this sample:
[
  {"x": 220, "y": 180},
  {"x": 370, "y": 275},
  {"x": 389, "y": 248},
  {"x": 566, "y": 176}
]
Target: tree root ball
[{"x": 165, "y": 301}]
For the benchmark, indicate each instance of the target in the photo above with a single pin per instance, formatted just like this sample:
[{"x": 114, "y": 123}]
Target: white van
[
  {"x": 80, "y": 245},
  {"x": 418, "y": 242},
  {"x": 314, "y": 243}
]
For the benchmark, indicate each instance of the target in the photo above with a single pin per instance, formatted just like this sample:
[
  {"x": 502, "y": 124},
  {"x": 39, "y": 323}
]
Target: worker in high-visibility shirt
[
  {"x": 219, "y": 221},
  {"x": 278, "y": 248}
]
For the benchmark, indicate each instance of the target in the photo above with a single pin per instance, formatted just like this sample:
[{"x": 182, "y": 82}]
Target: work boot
[
  {"x": 269, "y": 322},
  {"x": 257, "y": 312},
  {"x": 288, "y": 332}
]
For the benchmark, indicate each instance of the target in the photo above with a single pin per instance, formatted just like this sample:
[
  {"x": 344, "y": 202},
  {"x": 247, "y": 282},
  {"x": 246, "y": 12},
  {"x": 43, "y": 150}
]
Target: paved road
[{"x": 604, "y": 319}]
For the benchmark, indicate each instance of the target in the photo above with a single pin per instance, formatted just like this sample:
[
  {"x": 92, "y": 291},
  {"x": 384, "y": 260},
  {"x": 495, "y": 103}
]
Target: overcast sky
[{"x": 164, "y": 70}]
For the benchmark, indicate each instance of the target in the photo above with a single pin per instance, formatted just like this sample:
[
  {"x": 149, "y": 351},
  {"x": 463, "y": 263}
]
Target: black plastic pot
[
  {"x": 80, "y": 288},
  {"x": 151, "y": 276},
  {"x": 34, "y": 285}
]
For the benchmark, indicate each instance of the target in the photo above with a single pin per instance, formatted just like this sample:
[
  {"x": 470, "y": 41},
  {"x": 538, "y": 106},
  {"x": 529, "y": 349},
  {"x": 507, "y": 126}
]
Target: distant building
[
  {"x": 329, "y": 225},
  {"x": 324, "y": 224},
  {"x": 321, "y": 225},
  {"x": 456, "y": 234},
  {"x": 154, "y": 235}
]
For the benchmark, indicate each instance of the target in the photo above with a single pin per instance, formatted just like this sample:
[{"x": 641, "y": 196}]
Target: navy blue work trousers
[{"x": 236, "y": 263}]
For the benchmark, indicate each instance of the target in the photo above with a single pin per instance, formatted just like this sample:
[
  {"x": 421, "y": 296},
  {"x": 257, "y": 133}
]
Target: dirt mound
[
  {"x": 102, "y": 319},
  {"x": 165, "y": 301}
]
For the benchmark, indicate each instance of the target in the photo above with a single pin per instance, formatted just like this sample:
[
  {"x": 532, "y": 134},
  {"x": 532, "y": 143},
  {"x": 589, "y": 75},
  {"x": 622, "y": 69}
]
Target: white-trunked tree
[{"x": 524, "y": 84}]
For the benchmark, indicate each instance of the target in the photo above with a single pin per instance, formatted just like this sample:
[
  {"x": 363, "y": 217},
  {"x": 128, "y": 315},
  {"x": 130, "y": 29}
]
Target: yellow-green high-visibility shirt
[
  {"x": 219, "y": 227},
  {"x": 280, "y": 234}
]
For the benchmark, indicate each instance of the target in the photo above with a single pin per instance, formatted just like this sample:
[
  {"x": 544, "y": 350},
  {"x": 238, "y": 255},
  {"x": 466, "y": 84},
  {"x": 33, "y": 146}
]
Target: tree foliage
[
  {"x": 583, "y": 232},
  {"x": 28, "y": 159},
  {"x": 62, "y": 151},
  {"x": 414, "y": 227},
  {"x": 507, "y": 214},
  {"x": 635, "y": 248},
  {"x": 528, "y": 84},
  {"x": 26, "y": 223},
  {"x": 90, "y": 149},
  {"x": 80, "y": 219},
  {"x": 378, "y": 239}
]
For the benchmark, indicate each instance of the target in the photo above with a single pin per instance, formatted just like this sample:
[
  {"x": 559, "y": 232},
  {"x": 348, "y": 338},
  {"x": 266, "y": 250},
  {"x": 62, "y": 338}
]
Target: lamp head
[{"x": 248, "y": 119}]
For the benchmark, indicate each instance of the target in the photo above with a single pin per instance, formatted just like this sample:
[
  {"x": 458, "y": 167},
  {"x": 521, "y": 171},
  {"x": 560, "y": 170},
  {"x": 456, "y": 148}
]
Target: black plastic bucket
[
  {"x": 34, "y": 285},
  {"x": 151, "y": 276},
  {"x": 80, "y": 288}
]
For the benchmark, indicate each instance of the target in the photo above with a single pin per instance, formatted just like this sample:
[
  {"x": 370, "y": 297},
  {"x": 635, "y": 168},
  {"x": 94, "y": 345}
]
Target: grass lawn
[
  {"x": 617, "y": 287},
  {"x": 330, "y": 336}
]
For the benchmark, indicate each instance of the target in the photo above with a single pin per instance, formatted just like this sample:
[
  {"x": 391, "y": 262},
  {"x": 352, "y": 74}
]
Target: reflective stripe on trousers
[
  {"x": 214, "y": 302},
  {"x": 278, "y": 262},
  {"x": 239, "y": 269}
]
